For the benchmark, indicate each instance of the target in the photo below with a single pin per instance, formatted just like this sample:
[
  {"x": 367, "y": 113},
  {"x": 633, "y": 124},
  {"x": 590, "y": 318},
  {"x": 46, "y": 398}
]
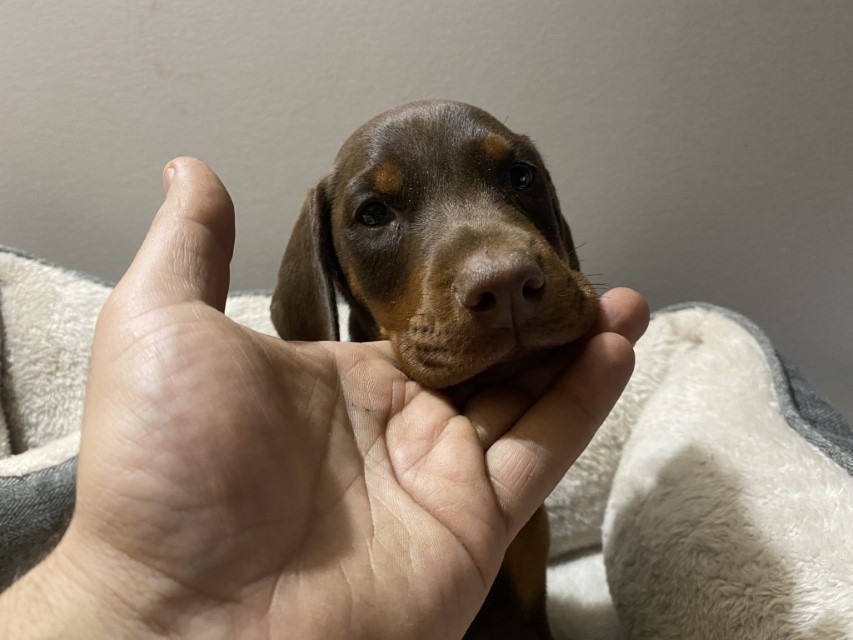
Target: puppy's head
[{"x": 442, "y": 230}]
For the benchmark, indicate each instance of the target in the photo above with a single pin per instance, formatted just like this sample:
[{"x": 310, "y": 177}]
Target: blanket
[{"x": 716, "y": 502}]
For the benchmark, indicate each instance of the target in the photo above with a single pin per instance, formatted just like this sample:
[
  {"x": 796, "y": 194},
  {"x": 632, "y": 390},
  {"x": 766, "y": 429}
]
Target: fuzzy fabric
[
  {"x": 729, "y": 504},
  {"x": 716, "y": 502}
]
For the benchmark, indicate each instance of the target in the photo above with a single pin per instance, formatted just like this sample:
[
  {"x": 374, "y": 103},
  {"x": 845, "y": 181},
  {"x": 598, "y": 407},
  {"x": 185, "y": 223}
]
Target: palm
[{"x": 350, "y": 468}]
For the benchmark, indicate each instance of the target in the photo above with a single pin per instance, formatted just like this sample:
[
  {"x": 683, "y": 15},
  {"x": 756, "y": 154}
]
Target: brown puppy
[{"x": 441, "y": 229}]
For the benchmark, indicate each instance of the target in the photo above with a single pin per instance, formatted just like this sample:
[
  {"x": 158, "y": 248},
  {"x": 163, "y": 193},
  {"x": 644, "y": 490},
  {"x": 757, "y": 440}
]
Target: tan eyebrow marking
[
  {"x": 388, "y": 178},
  {"x": 496, "y": 147}
]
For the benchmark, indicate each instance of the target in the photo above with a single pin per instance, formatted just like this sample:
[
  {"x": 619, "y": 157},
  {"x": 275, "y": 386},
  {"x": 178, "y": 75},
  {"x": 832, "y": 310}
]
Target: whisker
[{"x": 574, "y": 251}]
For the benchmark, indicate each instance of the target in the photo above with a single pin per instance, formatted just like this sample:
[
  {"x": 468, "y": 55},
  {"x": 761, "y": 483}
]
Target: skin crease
[{"x": 235, "y": 485}]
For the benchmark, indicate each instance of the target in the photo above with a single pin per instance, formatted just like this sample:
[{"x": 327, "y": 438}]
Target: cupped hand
[{"x": 232, "y": 484}]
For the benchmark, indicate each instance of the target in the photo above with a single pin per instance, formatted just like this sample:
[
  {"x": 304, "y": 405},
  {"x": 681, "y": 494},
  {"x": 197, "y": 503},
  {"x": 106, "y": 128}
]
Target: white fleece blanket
[{"x": 715, "y": 502}]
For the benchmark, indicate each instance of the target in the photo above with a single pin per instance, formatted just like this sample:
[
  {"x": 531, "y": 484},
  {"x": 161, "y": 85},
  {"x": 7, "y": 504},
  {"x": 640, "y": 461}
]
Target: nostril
[
  {"x": 533, "y": 286},
  {"x": 533, "y": 292},
  {"x": 486, "y": 301}
]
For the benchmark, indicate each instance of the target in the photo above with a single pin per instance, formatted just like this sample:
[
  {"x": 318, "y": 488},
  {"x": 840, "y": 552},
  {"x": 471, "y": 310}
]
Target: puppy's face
[
  {"x": 445, "y": 235},
  {"x": 451, "y": 245}
]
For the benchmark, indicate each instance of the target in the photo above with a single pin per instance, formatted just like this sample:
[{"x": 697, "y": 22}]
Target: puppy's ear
[
  {"x": 303, "y": 306},
  {"x": 563, "y": 232}
]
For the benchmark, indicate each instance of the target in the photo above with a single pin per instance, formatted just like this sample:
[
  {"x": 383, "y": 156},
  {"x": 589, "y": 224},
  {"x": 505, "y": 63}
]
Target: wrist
[{"x": 69, "y": 598}]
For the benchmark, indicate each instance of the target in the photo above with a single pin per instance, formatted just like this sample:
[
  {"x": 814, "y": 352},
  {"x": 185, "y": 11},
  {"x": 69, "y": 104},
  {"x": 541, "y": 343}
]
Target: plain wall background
[{"x": 702, "y": 151}]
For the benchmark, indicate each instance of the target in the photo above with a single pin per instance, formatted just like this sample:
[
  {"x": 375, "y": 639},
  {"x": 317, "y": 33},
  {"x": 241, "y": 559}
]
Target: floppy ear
[
  {"x": 303, "y": 306},
  {"x": 564, "y": 233}
]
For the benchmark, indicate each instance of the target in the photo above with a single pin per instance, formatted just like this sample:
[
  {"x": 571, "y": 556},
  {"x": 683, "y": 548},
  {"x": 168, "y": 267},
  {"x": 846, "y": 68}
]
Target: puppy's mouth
[
  {"x": 513, "y": 364},
  {"x": 473, "y": 367},
  {"x": 485, "y": 358}
]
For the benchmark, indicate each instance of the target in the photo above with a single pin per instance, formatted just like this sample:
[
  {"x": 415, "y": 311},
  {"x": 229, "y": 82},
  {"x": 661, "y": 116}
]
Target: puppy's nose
[{"x": 501, "y": 289}]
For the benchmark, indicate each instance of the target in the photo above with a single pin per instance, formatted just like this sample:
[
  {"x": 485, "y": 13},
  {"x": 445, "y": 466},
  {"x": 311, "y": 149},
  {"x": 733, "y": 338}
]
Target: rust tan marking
[
  {"x": 526, "y": 559},
  {"x": 496, "y": 147},
  {"x": 388, "y": 178},
  {"x": 352, "y": 282},
  {"x": 393, "y": 316}
]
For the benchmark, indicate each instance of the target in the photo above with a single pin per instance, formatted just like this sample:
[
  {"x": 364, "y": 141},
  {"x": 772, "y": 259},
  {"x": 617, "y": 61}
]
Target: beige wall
[{"x": 703, "y": 151}]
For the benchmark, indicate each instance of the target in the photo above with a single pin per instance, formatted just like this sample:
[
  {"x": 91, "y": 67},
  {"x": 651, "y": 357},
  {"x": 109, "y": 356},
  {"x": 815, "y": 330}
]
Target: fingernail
[{"x": 168, "y": 174}]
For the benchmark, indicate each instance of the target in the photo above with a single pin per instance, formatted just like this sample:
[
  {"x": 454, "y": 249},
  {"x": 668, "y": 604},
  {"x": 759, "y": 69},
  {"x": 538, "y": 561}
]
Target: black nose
[{"x": 501, "y": 289}]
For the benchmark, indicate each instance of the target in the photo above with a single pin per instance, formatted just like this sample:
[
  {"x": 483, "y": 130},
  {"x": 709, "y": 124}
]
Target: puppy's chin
[
  {"x": 515, "y": 365},
  {"x": 455, "y": 371},
  {"x": 497, "y": 361}
]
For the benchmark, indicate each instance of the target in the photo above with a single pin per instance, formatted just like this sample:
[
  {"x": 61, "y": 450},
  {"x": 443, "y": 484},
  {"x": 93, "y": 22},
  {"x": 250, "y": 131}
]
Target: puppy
[{"x": 442, "y": 231}]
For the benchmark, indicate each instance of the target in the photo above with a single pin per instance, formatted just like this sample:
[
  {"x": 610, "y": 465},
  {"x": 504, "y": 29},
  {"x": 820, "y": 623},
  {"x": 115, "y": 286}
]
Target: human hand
[{"x": 232, "y": 484}]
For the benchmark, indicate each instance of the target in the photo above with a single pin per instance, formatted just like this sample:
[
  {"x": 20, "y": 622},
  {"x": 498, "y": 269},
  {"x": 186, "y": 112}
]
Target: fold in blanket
[{"x": 722, "y": 520}]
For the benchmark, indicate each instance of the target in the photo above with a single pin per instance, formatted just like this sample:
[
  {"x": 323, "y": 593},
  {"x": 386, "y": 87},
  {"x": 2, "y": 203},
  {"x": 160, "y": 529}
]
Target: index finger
[{"x": 623, "y": 311}]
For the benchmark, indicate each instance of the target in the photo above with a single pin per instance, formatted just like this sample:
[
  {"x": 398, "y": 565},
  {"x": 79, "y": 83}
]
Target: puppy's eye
[
  {"x": 521, "y": 176},
  {"x": 374, "y": 214}
]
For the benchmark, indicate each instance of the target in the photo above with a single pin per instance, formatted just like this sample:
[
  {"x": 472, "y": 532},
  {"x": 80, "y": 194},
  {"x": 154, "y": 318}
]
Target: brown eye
[
  {"x": 521, "y": 176},
  {"x": 374, "y": 214}
]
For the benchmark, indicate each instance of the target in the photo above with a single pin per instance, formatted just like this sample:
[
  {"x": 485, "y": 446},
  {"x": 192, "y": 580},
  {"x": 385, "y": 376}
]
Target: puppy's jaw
[{"x": 485, "y": 360}]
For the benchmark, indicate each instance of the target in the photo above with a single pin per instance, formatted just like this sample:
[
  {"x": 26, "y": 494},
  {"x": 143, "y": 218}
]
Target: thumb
[{"x": 186, "y": 253}]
